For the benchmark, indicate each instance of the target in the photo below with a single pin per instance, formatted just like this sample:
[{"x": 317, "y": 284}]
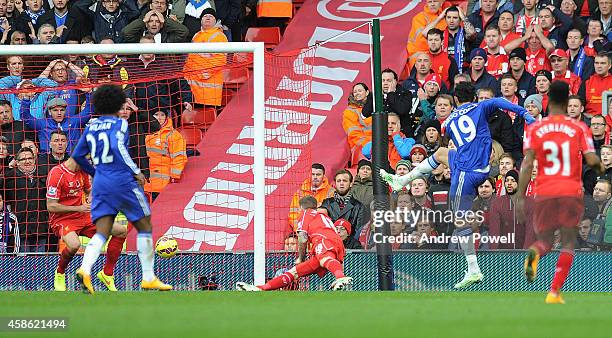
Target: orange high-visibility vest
[
  {"x": 274, "y": 9},
  {"x": 358, "y": 129},
  {"x": 203, "y": 71},
  {"x": 167, "y": 157},
  {"x": 321, "y": 193}
]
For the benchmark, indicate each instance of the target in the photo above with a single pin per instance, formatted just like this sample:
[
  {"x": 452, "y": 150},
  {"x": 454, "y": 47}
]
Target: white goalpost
[{"x": 256, "y": 48}]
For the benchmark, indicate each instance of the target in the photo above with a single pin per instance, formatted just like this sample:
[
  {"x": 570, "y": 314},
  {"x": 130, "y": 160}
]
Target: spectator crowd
[
  {"x": 509, "y": 49},
  {"x": 506, "y": 48}
]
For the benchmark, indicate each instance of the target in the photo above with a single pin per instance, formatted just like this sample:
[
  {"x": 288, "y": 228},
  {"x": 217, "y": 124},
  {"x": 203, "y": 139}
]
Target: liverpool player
[
  {"x": 327, "y": 251},
  {"x": 559, "y": 144},
  {"x": 67, "y": 188}
]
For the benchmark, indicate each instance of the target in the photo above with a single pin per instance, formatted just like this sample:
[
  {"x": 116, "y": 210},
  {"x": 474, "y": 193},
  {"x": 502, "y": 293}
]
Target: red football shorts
[
  {"x": 321, "y": 249},
  {"x": 82, "y": 227},
  {"x": 557, "y": 212}
]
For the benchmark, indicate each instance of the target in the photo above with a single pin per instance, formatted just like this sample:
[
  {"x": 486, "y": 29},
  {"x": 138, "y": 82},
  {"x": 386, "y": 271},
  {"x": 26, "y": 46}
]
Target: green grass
[{"x": 309, "y": 314}]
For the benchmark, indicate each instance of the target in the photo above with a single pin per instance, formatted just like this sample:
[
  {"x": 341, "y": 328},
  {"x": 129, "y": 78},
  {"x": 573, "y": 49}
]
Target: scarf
[
  {"x": 511, "y": 113},
  {"x": 342, "y": 200},
  {"x": 529, "y": 192},
  {"x": 579, "y": 62},
  {"x": 34, "y": 16},
  {"x": 458, "y": 43},
  {"x": 352, "y": 100}
]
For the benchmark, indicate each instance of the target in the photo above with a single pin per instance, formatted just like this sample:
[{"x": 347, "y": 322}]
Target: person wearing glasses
[
  {"x": 598, "y": 128},
  {"x": 559, "y": 61},
  {"x": 25, "y": 191}
]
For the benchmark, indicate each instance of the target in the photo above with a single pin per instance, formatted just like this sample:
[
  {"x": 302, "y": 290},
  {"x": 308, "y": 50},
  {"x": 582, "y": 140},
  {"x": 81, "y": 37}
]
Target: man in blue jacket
[
  {"x": 36, "y": 97},
  {"x": 57, "y": 120}
]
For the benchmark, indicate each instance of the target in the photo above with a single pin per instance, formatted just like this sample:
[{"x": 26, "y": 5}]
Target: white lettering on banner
[
  {"x": 217, "y": 184},
  {"x": 324, "y": 90},
  {"x": 216, "y": 238},
  {"x": 281, "y": 114},
  {"x": 286, "y": 83},
  {"x": 333, "y": 54},
  {"x": 220, "y": 219},
  {"x": 322, "y": 8},
  {"x": 374, "y": 11},
  {"x": 233, "y": 167},
  {"x": 333, "y": 74},
  {"x": 287, "y": 155},
  {"x": 323, "y": 34}
]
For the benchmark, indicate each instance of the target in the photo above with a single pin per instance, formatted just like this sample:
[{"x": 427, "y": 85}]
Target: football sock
[
  {"x": 472, "y": 264},
  {"x": 564, "y": 264},
  {"x": 144, "y": 243},
  {"x": 113, "y": 251},
  {"x": 423, "y": 168},
  {"x": 541, "y": 247},
  {"x": 333, "y": 266},
  {"x": 92, "y": 251},
  {"x": 278, "y": 282},
  {"x": 65, "y": 257},
  {"x": 467, "y": 246},
  {"x": 307, "y": 268}
]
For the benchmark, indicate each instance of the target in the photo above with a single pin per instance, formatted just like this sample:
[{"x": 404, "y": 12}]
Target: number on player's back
[
  {"x": 557, "y": 161},
  {"x": 464, "y": 130},
  {"x": 104, "y": 142}
]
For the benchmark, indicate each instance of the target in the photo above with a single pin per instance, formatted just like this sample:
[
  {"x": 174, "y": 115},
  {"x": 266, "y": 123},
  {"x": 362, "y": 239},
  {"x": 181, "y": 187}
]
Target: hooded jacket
[
  {"x": 72, "y": 126},
  {"x": 167, "y": 153},
  {"x": 203, "y": 71}
]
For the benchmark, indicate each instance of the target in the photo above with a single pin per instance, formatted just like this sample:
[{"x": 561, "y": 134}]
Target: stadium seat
[
  {"x": 270, "y": 36},
  {"x": 235, "y": 77},
  {"x": 199, "y": 118},
  {"x": 227, "y": 96},
  {"x": 192, "y": 136}
]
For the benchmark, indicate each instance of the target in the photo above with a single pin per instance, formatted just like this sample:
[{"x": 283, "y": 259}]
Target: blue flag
[{"x": 198, "y": 3}]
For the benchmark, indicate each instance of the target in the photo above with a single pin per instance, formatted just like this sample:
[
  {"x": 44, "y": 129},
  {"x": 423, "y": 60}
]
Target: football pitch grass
[{"x": 313, "y": 314}]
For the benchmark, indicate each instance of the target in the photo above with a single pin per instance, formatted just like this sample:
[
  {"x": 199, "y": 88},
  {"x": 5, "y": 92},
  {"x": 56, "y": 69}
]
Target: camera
[{"x": 208, "y": 283}]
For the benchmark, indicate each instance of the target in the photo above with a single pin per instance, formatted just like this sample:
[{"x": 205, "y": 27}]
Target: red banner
[{"x": 212, "y": 207}]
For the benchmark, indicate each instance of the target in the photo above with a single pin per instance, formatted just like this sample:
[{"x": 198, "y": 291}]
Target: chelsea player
[
  {"x": 469, "y": 163},
  {"x": 117, "y": 186}
]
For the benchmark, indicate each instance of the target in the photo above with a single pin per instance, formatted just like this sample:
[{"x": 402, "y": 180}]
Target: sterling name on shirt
[{"x": 555, "y": 128}]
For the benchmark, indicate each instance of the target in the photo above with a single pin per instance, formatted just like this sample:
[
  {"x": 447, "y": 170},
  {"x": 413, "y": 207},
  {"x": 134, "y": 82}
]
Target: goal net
[{"x": 222, "y": 166}]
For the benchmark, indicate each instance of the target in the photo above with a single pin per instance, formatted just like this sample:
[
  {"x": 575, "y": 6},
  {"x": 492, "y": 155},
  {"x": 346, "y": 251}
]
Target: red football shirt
[
  {"x": 497, "y": 64},
  {"x": 537, "y": 60},
  {"x": 69, "y": 188},
  {"x": 595, "y": 86},
  {"x": 571, "y": 79},
  {"x": 559, "y": 144},
  {"x": 509, "y": 37},
  {"x": 318, "y": 227},
  {"x": 440, "y": 64}
]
